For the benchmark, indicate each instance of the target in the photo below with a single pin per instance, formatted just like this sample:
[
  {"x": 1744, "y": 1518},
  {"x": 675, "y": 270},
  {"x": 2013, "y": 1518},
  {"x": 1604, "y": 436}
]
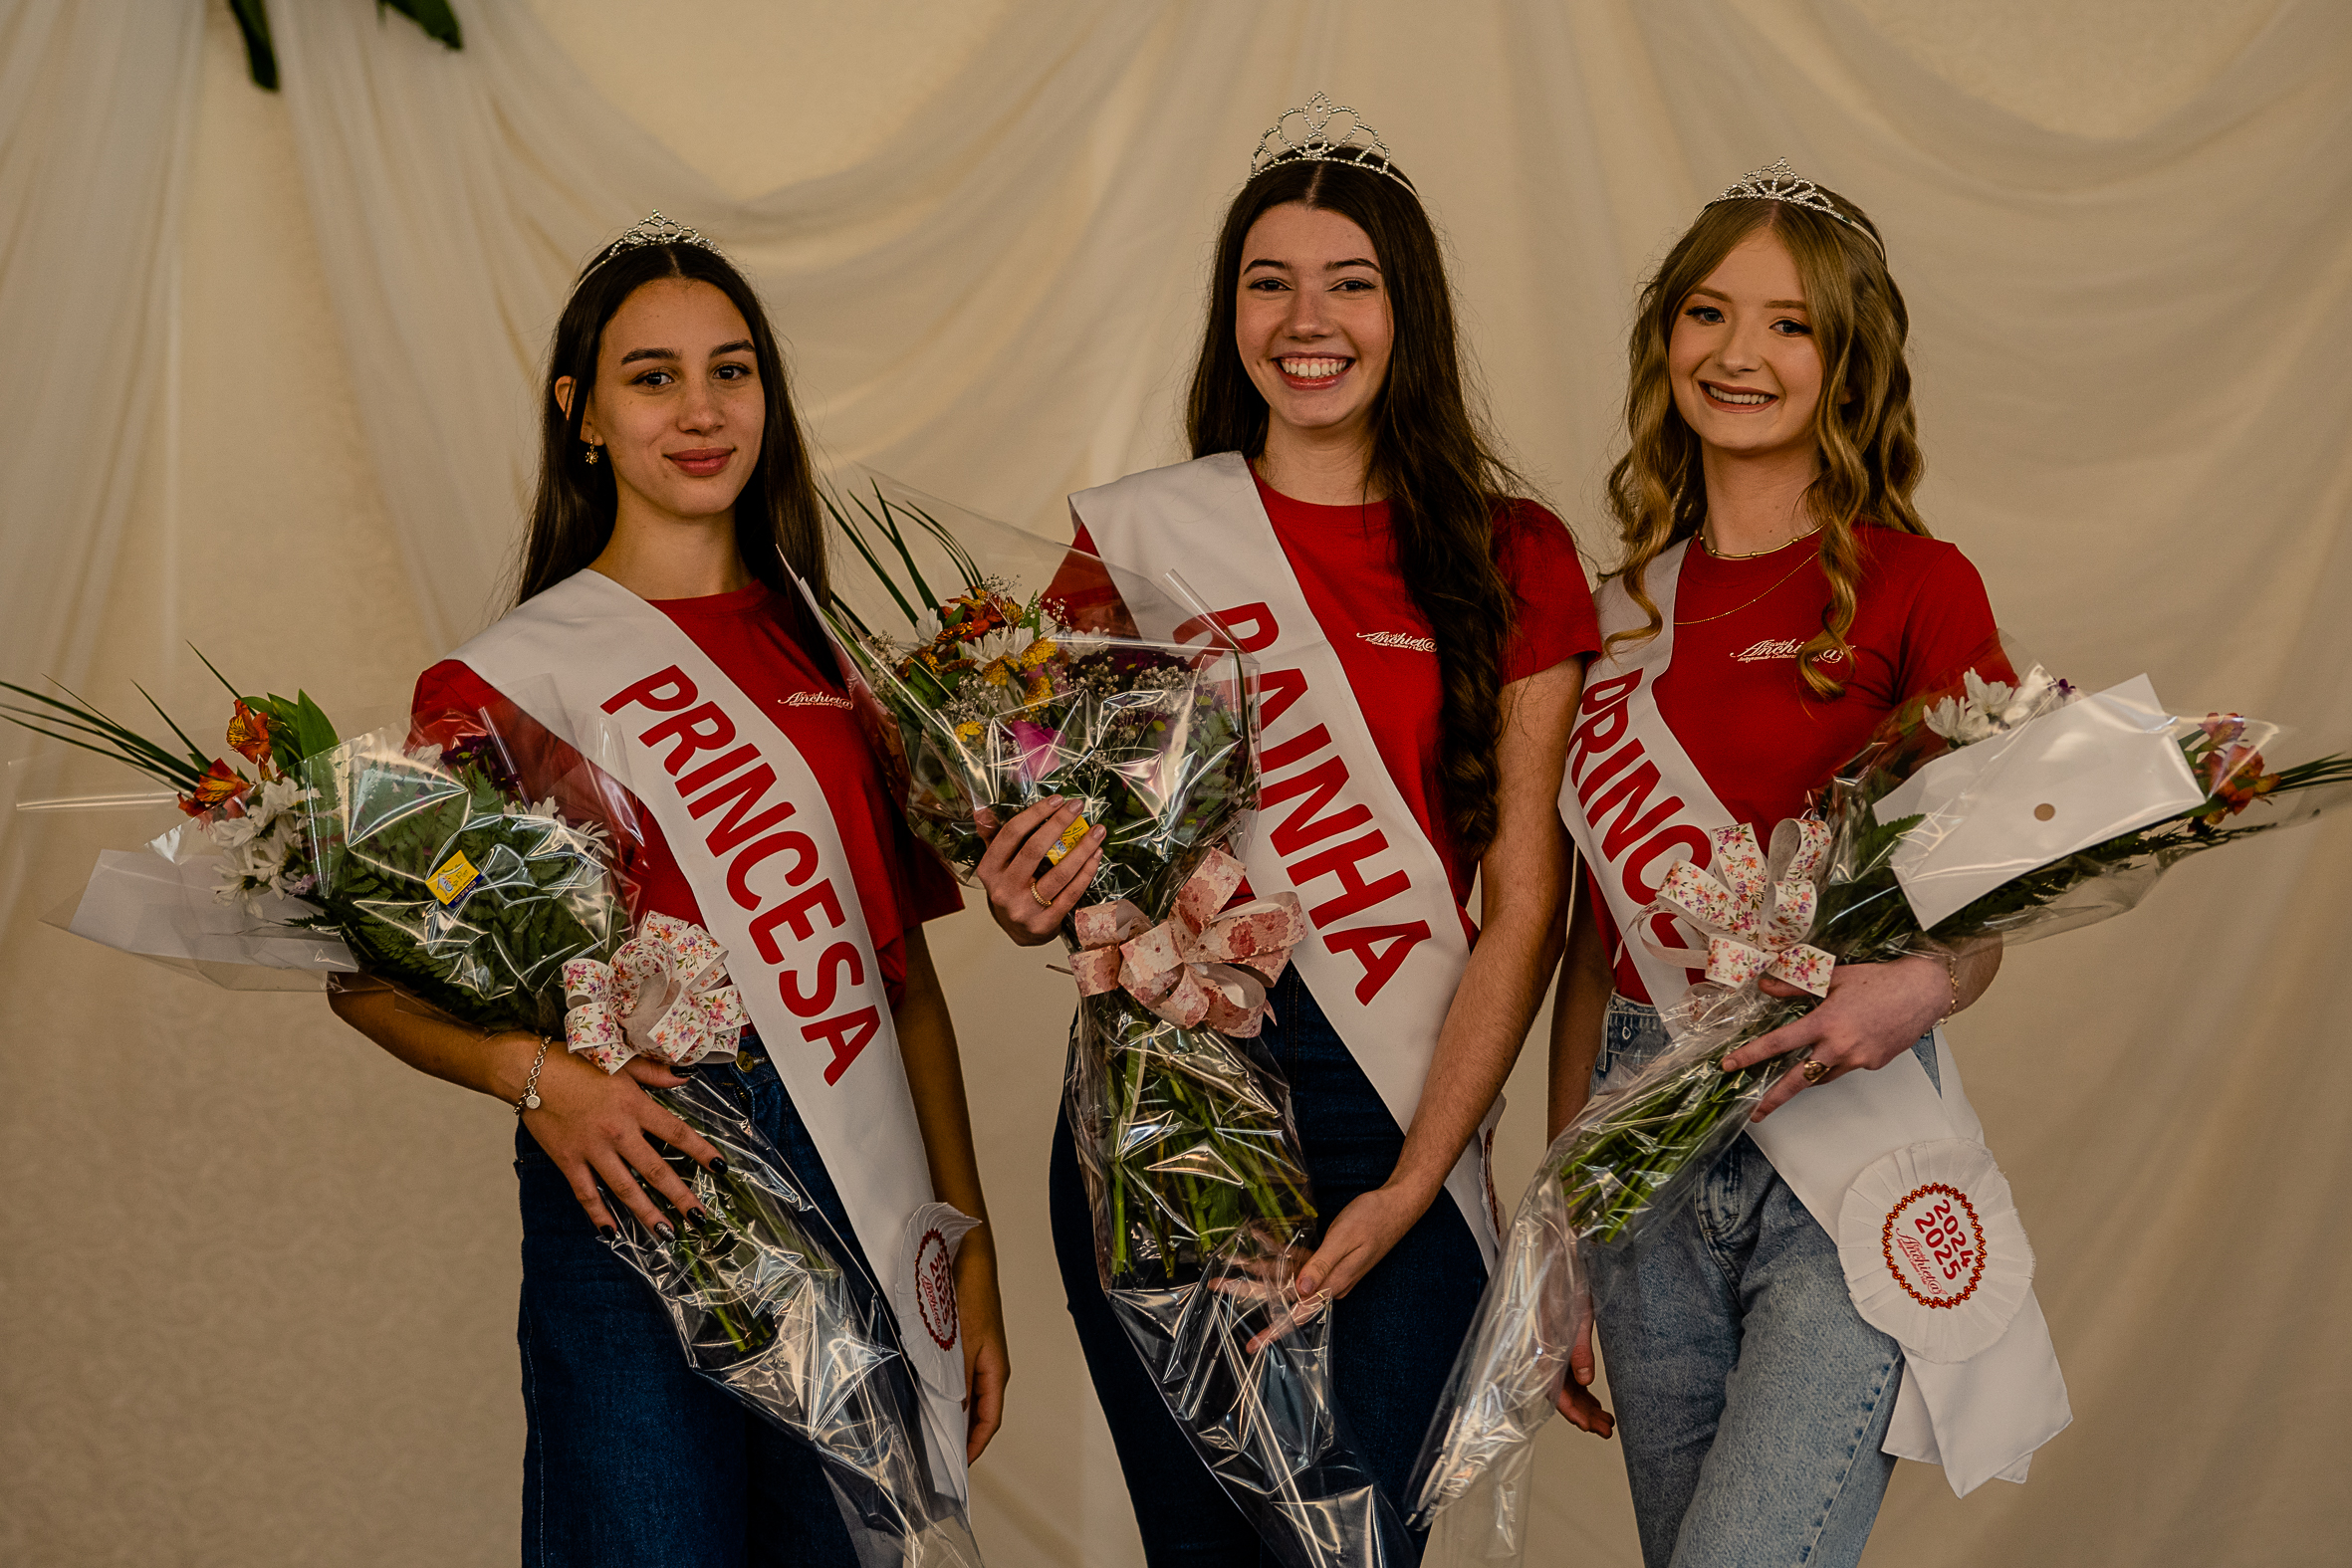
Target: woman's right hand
[
  {"x": 599, "y": 1125},
  {"x": 1030, "y": 899},
  {"x": 1575, "y": 1399}
]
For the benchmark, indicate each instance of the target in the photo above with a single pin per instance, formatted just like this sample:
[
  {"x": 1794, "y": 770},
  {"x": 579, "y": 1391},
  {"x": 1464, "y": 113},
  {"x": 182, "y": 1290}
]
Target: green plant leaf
[
  {"x": 434, "y": 16},
  {"x": 260, "y": 57}
]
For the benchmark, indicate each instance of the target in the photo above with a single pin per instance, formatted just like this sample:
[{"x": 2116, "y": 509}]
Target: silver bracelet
[{"x": 529, "y": 1099}]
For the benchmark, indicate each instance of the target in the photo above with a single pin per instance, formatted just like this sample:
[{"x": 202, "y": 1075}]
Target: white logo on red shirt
[
  {"x": 816, "y": 700},
  {"x": 1784, "y": 648},
  {"x": 1399, "y": 639}
]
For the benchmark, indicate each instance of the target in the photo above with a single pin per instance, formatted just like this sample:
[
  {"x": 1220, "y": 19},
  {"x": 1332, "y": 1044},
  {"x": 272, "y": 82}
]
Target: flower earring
[{"x": 592, "y": 450}]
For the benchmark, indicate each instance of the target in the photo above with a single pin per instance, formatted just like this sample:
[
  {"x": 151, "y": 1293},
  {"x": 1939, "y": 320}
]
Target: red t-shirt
[
  {"x": 1345, "y": 563},
  {"x": 900, "y": 884},
  {"x": 1737, "y": 702}
]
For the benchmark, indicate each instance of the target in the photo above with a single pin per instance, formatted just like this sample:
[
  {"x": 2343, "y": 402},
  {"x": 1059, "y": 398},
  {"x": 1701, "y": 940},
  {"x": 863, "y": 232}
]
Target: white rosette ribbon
[
  {"x": 1198, "y": 966},
  {"x": 1933, "y": 1249},
  {"x": 1753, "y": 912},
  {"x": 665, "y": 995}
]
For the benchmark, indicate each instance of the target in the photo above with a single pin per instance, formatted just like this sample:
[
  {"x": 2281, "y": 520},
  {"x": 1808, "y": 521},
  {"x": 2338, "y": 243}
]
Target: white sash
[
  {"x": 1387, "y": 946},
  {"x": 1635, "y": 803},
  {"x": 747, "y": 822}
]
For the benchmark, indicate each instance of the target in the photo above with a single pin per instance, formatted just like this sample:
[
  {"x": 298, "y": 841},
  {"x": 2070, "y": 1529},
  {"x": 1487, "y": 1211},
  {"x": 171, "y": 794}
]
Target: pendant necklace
[{"x": 1701, "y": 620}]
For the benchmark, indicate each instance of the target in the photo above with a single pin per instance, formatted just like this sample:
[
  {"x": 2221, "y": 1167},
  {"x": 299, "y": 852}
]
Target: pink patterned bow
[
  {"x": 1752, "y": 913},
  {"x": 1190, "y": 968},
  {"x": 665, "y": 996}
]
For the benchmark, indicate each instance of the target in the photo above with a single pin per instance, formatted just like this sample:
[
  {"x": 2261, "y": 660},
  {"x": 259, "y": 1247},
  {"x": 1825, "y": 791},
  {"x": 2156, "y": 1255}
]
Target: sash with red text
[
  {"x": 1387, "y": 946},
  {"x": 748, "y": 823},
  {"x": 1635, "y": 803}
]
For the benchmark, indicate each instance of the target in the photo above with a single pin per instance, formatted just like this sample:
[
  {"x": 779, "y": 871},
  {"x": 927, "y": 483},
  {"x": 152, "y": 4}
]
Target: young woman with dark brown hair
[
  {"x": 1778, "y": 596},
  {"x": 1419, "y": 636},
  {"x": 676, "y": 510}
]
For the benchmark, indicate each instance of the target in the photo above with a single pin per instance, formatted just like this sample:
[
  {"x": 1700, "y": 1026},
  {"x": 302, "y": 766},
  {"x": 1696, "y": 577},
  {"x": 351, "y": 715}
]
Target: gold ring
[
  {"x": 1815, "y": 1072},
  {"x": 1042, "y": 901}
]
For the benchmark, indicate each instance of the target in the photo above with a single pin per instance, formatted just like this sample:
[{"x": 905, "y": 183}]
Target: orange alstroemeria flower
[
  {"x": 249, "y": 737},
  {"x": 220, "y": 783}
]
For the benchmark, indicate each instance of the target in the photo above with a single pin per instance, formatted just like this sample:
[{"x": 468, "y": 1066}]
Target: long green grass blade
[
  {"x": 850, "y": 530},
  {"x": 216, "y": 674},
  {"x": 888, "y": 524},
  {"x": 132, "y": 749},
  {"x": 81, "y": 716},
  {"x": 966, "y": 567},
  {"x": 158, "y": 774},
  {"x": 193, "y": 750}
]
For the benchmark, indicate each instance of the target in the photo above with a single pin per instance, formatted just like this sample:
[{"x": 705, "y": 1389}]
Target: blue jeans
[
  {"x": 1752, "y": 1398},
  {"x": 1393, "y": 1337},
  {"x": 632, "y": 1458}
]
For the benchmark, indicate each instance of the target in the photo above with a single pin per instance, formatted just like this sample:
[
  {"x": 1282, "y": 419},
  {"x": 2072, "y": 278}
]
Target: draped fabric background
[{"x": 270, "y": 380}]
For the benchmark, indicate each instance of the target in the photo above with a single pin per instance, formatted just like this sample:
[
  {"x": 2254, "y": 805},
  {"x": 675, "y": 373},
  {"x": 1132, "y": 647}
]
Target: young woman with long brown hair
[
  {"x": 676, "y": 511},
  {"x": 1780, "y": 595},
  {"x": 1419, "y": 636}
]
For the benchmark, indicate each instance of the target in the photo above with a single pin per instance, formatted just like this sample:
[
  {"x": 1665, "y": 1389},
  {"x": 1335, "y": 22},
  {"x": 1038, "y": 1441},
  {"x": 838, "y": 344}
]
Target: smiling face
[
  {"x": 1742, "y": 361},
  {"x": 677, "y": 407},
  {"x": 1312, "y": 320}
]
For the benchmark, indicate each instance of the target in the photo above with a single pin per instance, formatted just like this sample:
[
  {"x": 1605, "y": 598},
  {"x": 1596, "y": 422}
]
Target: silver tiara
[
  {"x": 658, "y": 230},
  {"x": 1782, "y": 183},
  {"x": 1316, "y": 139}
]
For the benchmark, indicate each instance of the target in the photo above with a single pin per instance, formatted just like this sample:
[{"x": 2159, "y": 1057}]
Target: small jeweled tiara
[
  {"x": 1782, "y": 183},
  {"x": 656, "y": 230},
  {"x": 1314, "y": 139}
]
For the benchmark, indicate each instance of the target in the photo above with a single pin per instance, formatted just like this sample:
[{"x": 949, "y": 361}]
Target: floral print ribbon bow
[
  {"x": 1751, "y": 912},
  {"x": 665, "y": 995},
  {"x": 1190, "y": 968}
]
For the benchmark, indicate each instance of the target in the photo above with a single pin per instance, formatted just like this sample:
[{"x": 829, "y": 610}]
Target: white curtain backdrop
[
  {"x": 2129, "y": 289},
  {"x": 87, "y": 104}
]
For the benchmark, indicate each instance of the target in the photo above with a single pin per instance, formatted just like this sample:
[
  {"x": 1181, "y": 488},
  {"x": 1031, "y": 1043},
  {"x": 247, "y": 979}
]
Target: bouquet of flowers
[
  {"x": 423, "y": 853},
  {"x": 995, "y": 698},
  {"x": 430, "y": 865},
  {"x": 1996, "y": 807}
]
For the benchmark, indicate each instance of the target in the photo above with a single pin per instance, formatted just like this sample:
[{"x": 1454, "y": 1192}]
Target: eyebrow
[
  {"x": 740, "y": 345},
  {"x": 1770, "y": 304},
  {"x": 1353, "y": 261}
]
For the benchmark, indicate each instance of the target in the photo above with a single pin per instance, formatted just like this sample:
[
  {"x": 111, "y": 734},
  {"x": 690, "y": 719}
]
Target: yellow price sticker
[
  {"x": 1066, "y": 843},
  {"x": 452, "y": 877}
]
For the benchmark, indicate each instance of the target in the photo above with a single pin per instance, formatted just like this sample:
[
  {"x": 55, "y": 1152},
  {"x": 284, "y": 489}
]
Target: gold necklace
[
  {"x": 1701, "y": 620},
  {"x": 1754, "y": 554}
]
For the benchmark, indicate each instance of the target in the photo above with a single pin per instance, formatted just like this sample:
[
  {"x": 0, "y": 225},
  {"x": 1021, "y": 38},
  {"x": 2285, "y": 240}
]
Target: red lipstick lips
[{"x": 701, "y": 462}]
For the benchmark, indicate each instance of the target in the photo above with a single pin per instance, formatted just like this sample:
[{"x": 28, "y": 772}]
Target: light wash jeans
[{"x": 1750, "y": 1396}]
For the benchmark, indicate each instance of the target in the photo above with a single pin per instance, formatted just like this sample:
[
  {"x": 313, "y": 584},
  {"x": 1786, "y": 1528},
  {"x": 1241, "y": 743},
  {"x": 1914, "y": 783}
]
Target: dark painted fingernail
[
  {"x": 607, "y": 1235},
  {"x": 666, "y": 1230},
  {"x": 719, "y": 1164}
]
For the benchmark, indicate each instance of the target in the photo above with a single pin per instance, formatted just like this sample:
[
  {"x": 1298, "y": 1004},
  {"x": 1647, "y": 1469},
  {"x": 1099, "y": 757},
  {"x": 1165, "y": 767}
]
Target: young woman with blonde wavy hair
[{"x": 1780, "y": 595}]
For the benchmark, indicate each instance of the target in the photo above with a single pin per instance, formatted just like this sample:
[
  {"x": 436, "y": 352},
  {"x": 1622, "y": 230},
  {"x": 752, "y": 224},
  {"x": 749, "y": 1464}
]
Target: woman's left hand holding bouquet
[
  {"x": 1874, "y": 1012},
  {"x": 591, "y": 1125},
  {"x": 1029, "y": 898},
  {"x": 1523, "y": 885}
]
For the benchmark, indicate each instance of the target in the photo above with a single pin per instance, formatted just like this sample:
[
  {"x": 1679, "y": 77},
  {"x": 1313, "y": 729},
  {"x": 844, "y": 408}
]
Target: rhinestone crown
[
  {"x": 656, "y": 230},
  {"x": 1782, "y": 183},
  {"x": 1318, "y": 134}
]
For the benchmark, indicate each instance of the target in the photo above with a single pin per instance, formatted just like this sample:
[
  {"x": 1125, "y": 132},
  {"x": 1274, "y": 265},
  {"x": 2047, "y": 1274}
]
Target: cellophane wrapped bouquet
[
  {"x": 1996, "y": 807},
  {"x": 479, "y": 869},
  {"x": 997, "y": 697}
]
